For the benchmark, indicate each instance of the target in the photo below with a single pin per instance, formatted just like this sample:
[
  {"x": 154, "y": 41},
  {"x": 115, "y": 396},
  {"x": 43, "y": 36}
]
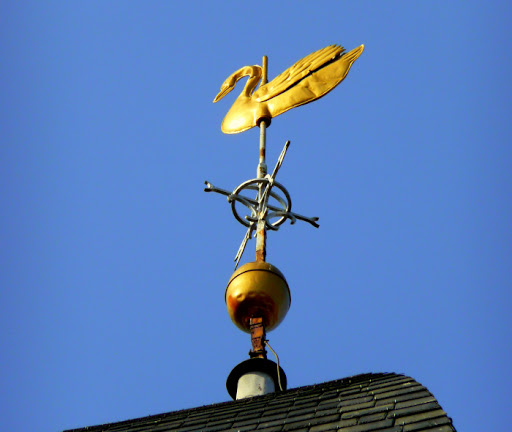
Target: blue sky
[{"x": 114, "y": 261}]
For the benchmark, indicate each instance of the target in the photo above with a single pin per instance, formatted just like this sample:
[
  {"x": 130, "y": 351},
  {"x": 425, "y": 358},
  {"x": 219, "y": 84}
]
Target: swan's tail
[{"x": 353, "y": 55}]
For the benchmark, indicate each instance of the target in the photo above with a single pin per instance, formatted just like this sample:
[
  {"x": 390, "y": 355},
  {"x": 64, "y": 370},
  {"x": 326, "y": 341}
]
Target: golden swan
[{"x": 307, "y": 80}]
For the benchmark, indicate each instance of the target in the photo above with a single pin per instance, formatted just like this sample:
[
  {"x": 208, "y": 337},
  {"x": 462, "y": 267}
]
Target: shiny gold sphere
[{"x": 257, "y": 289}]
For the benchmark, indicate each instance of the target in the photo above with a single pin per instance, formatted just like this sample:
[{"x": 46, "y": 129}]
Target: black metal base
[{"x": 255, "y": 365}]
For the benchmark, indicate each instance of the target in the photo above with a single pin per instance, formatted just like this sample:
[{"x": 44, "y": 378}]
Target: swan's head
[
  {"x": 226, "y": 87},
  {"x": 254, "y": 73}
]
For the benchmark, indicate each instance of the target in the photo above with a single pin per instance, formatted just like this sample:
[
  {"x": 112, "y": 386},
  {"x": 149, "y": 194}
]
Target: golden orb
[{"x": 257, "y": 289}]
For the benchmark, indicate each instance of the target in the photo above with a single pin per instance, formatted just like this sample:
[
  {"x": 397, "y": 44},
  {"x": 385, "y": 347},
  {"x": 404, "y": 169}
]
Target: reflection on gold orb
[{"x": 257, "y": 289}]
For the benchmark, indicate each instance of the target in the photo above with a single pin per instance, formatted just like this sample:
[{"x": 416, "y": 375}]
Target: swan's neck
[{"x": 254, "y": 73}]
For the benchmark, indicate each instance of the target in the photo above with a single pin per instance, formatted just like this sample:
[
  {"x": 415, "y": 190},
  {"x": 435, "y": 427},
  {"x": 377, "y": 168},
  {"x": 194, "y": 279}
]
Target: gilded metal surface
[
  {"x": 257, "y": 289},
  {"x": 307, "y": 80}
]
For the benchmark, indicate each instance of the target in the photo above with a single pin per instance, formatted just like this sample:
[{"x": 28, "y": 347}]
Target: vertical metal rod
[
  {"x": 264, "y": 78},
  {"x": 261, "y": 233},
  {"x": 262, "y": 167}
]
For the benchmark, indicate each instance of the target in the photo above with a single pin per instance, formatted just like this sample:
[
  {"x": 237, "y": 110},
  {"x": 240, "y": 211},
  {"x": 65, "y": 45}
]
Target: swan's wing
[{"x": 297, "y": 72}]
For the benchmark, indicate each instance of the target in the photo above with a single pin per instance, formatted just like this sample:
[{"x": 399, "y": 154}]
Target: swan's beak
[{"x": 223, "y": 92}]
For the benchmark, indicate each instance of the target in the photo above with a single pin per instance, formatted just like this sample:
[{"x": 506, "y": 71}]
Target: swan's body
[{"x": 307, "y": 80}]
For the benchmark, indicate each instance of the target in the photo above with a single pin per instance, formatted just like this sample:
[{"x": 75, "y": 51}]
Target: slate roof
[{"x": 370, "y": 402}]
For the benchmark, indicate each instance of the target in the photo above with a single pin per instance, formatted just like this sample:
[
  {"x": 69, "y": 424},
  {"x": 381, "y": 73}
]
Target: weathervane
[
  {"x": 257, "y": 295},
  {"x": 307, "y": 80}
]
